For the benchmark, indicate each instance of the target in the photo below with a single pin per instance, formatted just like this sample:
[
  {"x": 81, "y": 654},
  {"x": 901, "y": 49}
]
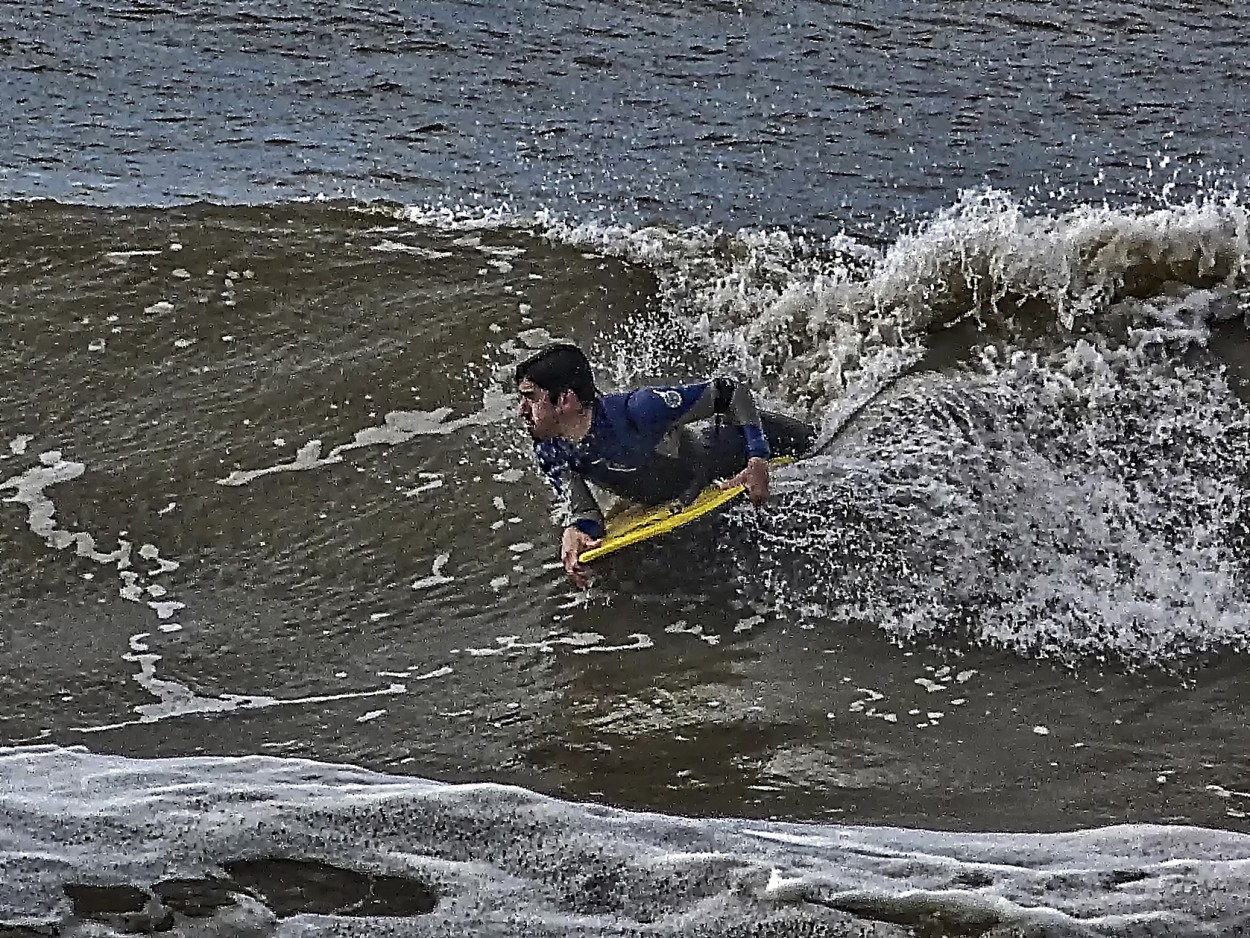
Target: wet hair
[{"x": 559, "y": 368}]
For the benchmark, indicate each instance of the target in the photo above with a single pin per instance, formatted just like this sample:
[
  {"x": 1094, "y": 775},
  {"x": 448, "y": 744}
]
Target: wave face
[
  {"x": 267, "y": 495},
  {"x": 1057, "y": 463},
  {"x": 273, "y": 539}
]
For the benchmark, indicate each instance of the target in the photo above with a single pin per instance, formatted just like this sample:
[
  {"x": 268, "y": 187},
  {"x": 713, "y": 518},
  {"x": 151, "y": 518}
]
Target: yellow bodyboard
[{"x": 640, "y": 523}]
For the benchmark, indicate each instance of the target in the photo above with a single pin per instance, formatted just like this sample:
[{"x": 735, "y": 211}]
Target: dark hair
[{"x": 559, "y": 368}]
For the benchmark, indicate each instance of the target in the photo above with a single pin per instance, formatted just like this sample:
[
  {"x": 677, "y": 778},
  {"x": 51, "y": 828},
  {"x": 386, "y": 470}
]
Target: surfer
[{"x": 638, "y": 445}]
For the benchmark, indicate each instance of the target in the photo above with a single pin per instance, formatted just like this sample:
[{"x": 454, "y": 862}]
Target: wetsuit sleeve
[
  {"x": 662, "y": 408},
  {"x": 581, "y": 508},
  {"x": 577, "y": 504}
]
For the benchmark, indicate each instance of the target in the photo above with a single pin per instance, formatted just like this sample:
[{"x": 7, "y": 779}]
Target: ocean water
[{"x": 286, "y": 645}]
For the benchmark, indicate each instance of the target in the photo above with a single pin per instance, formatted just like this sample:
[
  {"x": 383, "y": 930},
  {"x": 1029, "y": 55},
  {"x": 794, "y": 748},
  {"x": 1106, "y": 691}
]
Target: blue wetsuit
[{"x": 639, "y": 447}]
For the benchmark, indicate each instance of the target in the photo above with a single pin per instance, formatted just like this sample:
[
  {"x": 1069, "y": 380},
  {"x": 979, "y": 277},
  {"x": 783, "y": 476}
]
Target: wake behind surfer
[{"x": 638, "y": 444}]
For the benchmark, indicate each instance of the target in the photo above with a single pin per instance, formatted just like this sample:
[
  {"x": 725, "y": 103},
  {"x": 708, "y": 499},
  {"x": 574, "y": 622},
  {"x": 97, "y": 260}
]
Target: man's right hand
[{"x": 572, "y": 544}]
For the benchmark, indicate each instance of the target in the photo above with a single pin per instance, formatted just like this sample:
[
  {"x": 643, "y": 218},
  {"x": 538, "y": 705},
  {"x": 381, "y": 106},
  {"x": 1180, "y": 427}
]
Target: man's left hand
[{"x": 754, "y": 478}]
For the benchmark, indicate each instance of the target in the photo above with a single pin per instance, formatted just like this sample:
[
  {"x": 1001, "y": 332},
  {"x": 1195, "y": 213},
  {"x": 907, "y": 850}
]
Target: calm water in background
[{"x": 266, "y": 495}]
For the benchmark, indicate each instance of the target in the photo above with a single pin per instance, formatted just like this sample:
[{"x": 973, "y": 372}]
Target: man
[{"x": 638, "y": 444}]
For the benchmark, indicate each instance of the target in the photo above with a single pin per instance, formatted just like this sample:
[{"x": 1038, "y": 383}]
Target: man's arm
[
  {"x": 663, "y": 408},
  {"x": 583, "y": 527},
  {"x": 660, "y": 409},
  {"x": 578, "y": 511},
  {"x": 577, "y": 506},
  {"x": 581, "y": 508}
]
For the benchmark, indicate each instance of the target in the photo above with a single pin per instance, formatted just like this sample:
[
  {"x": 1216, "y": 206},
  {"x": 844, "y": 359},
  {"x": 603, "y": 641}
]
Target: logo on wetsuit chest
[{"x": 671, "y": 398}]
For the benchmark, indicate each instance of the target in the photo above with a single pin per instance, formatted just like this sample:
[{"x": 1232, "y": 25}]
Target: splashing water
[
  {"x": 1064, "y": 482},
  {"x": 1069, "y": 487}
]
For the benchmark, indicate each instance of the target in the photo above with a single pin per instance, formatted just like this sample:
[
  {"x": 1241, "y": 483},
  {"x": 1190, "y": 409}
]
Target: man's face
[{"x": 540, "y": 415}]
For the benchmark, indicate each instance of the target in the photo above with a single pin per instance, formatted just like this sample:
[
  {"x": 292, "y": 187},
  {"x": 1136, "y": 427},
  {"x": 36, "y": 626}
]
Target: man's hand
[
  {"x": 754, "y": 478},
  {"x": 572, "y": 544}
]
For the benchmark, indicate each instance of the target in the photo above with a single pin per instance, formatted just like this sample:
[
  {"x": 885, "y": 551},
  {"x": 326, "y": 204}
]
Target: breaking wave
[{"x": 1054, "y": 459}]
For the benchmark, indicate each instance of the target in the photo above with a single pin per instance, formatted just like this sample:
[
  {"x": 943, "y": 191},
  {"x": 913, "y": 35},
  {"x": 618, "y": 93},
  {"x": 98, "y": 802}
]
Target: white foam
[
  {"x": 399, "y": 247},
  {"x": 1033, "y": 455},
  {"x": 307, "y": 456},
  {"x": 681, "y": 627},
  {"x": 433, "y": 481},
  {"x": 437, "y": 672},
  {"x": 402, "y": 426},
  {"x": 578, "y": 642},
  {"x": 30, "y": 489},
  {"x": 124, "y": 257},
  {"x": 436, "y": 577}
]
